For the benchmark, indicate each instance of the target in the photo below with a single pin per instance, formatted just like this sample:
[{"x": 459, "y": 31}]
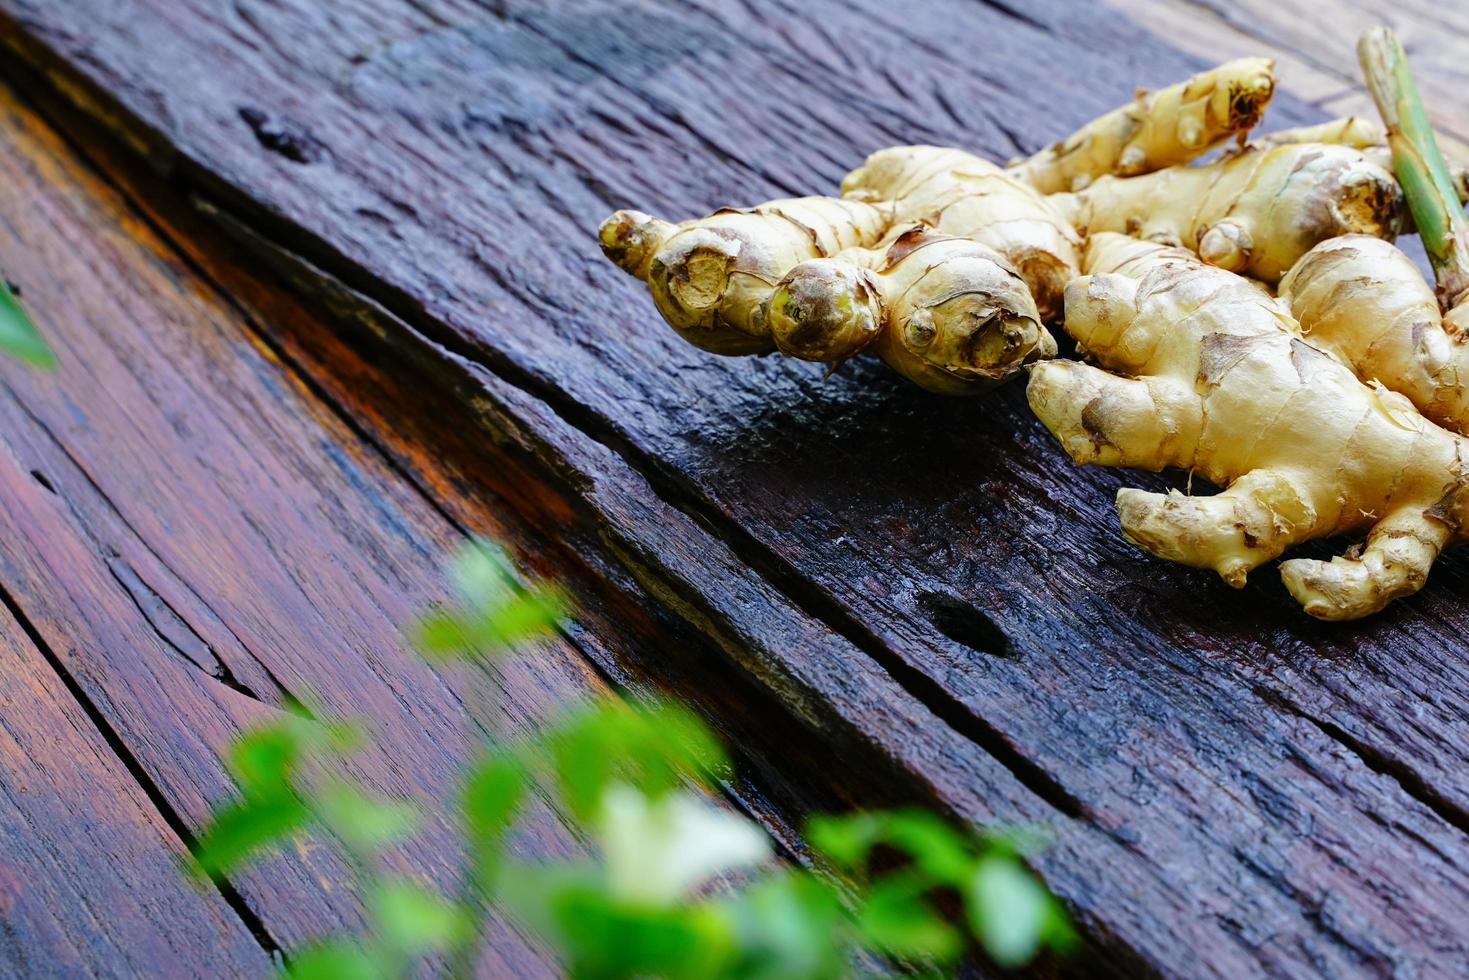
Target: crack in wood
[
  {"x": 171, "y": 817},
  {"x": 172, "y": 627},
  {"x": 1379, "y": 762}
]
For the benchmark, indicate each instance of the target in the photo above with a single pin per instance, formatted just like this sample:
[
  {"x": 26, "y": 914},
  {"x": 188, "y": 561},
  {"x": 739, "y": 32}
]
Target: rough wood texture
[
  {"x": 89, "y": 881},
  {"x": 191, "y": 530},
  {"x": 1235, "y": 790}
]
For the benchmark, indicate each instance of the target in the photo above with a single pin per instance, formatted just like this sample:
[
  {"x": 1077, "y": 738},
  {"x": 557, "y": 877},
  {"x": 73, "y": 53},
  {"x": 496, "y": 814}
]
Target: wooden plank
[
  {"x": 451, "y": 166},
  {"x": 192, "y": 536},
  {"x": 146, "y": 613},
  {"x": 474, "y": 462},
  {"x": 89, "y": 869}
]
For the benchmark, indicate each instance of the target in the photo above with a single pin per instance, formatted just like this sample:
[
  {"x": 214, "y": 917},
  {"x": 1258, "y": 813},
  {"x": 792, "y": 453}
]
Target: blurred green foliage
[
  {"x": 676, "y": 886},
  {"x": 18, "y": 335}
]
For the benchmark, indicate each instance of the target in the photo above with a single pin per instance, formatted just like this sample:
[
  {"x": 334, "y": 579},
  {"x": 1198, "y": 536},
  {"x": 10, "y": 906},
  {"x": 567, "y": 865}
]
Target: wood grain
[
  {"x": 1236, "y": 790},
  {"x": 160, "y": 344},
  {"x": 89, "y": 870}
]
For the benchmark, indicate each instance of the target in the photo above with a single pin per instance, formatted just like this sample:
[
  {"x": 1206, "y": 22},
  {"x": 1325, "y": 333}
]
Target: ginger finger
[
  {"x": 947, "y": 313},
  {"x": 1367, "y": 136},
  {"x": 1364, "y": 299},
  {"x": 1395, "y": 563},
  {"x": 1158, "y": 129},
  {"x": 1353, "y": 131},
  {"x": 1255, "y": 212},
  {"x": 1304, "y": 448},
  {"x": 967, "y": 196},
  {"x": 1233, "y": 532},
  {"x": 710, "y": 277},
  {"x": 1102, "y": 418}
]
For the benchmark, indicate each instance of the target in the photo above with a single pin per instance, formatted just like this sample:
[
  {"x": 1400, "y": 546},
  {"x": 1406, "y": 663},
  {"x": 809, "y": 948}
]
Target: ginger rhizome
[
  {"x": 949, "y": 313},
  {"x": 1364, "y": 300},
  {"x": 1255, "y": 212},
  {"x": 823, "y": 279},
  {"x": 710, "y": 277},
  {"x": 1204, "y": 371},
  {"x": 945, "y": 301},
  {"x": 1158, "y": 129},
  {"x": 961, "y": 194}
]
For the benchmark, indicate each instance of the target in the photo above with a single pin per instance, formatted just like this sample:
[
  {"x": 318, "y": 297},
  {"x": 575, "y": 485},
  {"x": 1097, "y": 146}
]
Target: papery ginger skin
[
  {"x": 710, "y": 277},
  {"x": 963, "y": 195},
  {"x": 1255, "y": 212},
  {"x": 1211, "y": 377}
]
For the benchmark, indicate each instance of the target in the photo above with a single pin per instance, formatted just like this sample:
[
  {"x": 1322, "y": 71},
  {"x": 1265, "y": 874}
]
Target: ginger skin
[
  {"x": 1364, "y": 301},
  {"x": 710, "y": 277},
  {"x": 1205, "y": 372},
  {"x": 1158, "y": 129},
  {"x": 1255, "y": 212},
  {"x": 948, "y": 313},
  {"x": 964, "y": 195}
]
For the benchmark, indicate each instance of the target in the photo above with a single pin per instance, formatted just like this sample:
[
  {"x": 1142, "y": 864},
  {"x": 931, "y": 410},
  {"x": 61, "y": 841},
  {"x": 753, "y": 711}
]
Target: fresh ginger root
[
  {"x": 1359, "y": 134},
  {"x": 1255, "y": 212},
  {"x": 710, "y": 277},
  {"x": 1211, "y": 377},
  {"x": 964, "y": 195},
  {"x": 948, "y": 313},
  {"x": 1364, "y": 300},
  {"x": 1158, "y": 129}
]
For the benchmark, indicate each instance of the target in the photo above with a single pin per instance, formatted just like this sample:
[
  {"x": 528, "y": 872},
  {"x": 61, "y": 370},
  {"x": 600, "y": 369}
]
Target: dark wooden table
[{"x": 326, "y": 295}]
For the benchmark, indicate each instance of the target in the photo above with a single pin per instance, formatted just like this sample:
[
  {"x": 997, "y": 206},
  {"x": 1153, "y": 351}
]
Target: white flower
[{"x": 658, "y": 851}]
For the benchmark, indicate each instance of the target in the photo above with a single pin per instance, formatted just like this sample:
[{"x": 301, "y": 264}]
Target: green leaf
[
  {"x": 338, "y": 960},
  {"x": 789, "y": 926},
  {"x": 239, "y": 830},
  {"x": 494, "y": 615},
  {"x": 650, "y": 748},
  {"x": 844, "y": 839},
  {"x": 441, "y": 635},
  {"x": 413, "y": 920},
  {"x": 18, "y": 334},
  {"x": 364, "y": 824},
  {"x": 898, "y": 920},
  {"x": 492, "y": 794},
  {"x": 263, "y": 759},
  {"x": 937, "y": 849},
  {"x": 523, "y": 617},
  {"x": 1009, "y": 910},
  {"x": 605, "y": 938},
  {"x": 481, "y": 573}
]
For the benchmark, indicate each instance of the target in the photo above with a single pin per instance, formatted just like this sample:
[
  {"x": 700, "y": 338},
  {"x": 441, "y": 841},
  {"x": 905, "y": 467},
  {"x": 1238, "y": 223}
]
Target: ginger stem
[{"x": 1417, "y": 162}]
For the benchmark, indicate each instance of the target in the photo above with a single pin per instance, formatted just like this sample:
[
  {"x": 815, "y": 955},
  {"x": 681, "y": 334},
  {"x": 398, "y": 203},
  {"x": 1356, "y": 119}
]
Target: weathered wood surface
[
  {"x": 192, "y": 529},
  {"x": 1235, "y": 790},
  {"x": 89, "y": 879}
]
